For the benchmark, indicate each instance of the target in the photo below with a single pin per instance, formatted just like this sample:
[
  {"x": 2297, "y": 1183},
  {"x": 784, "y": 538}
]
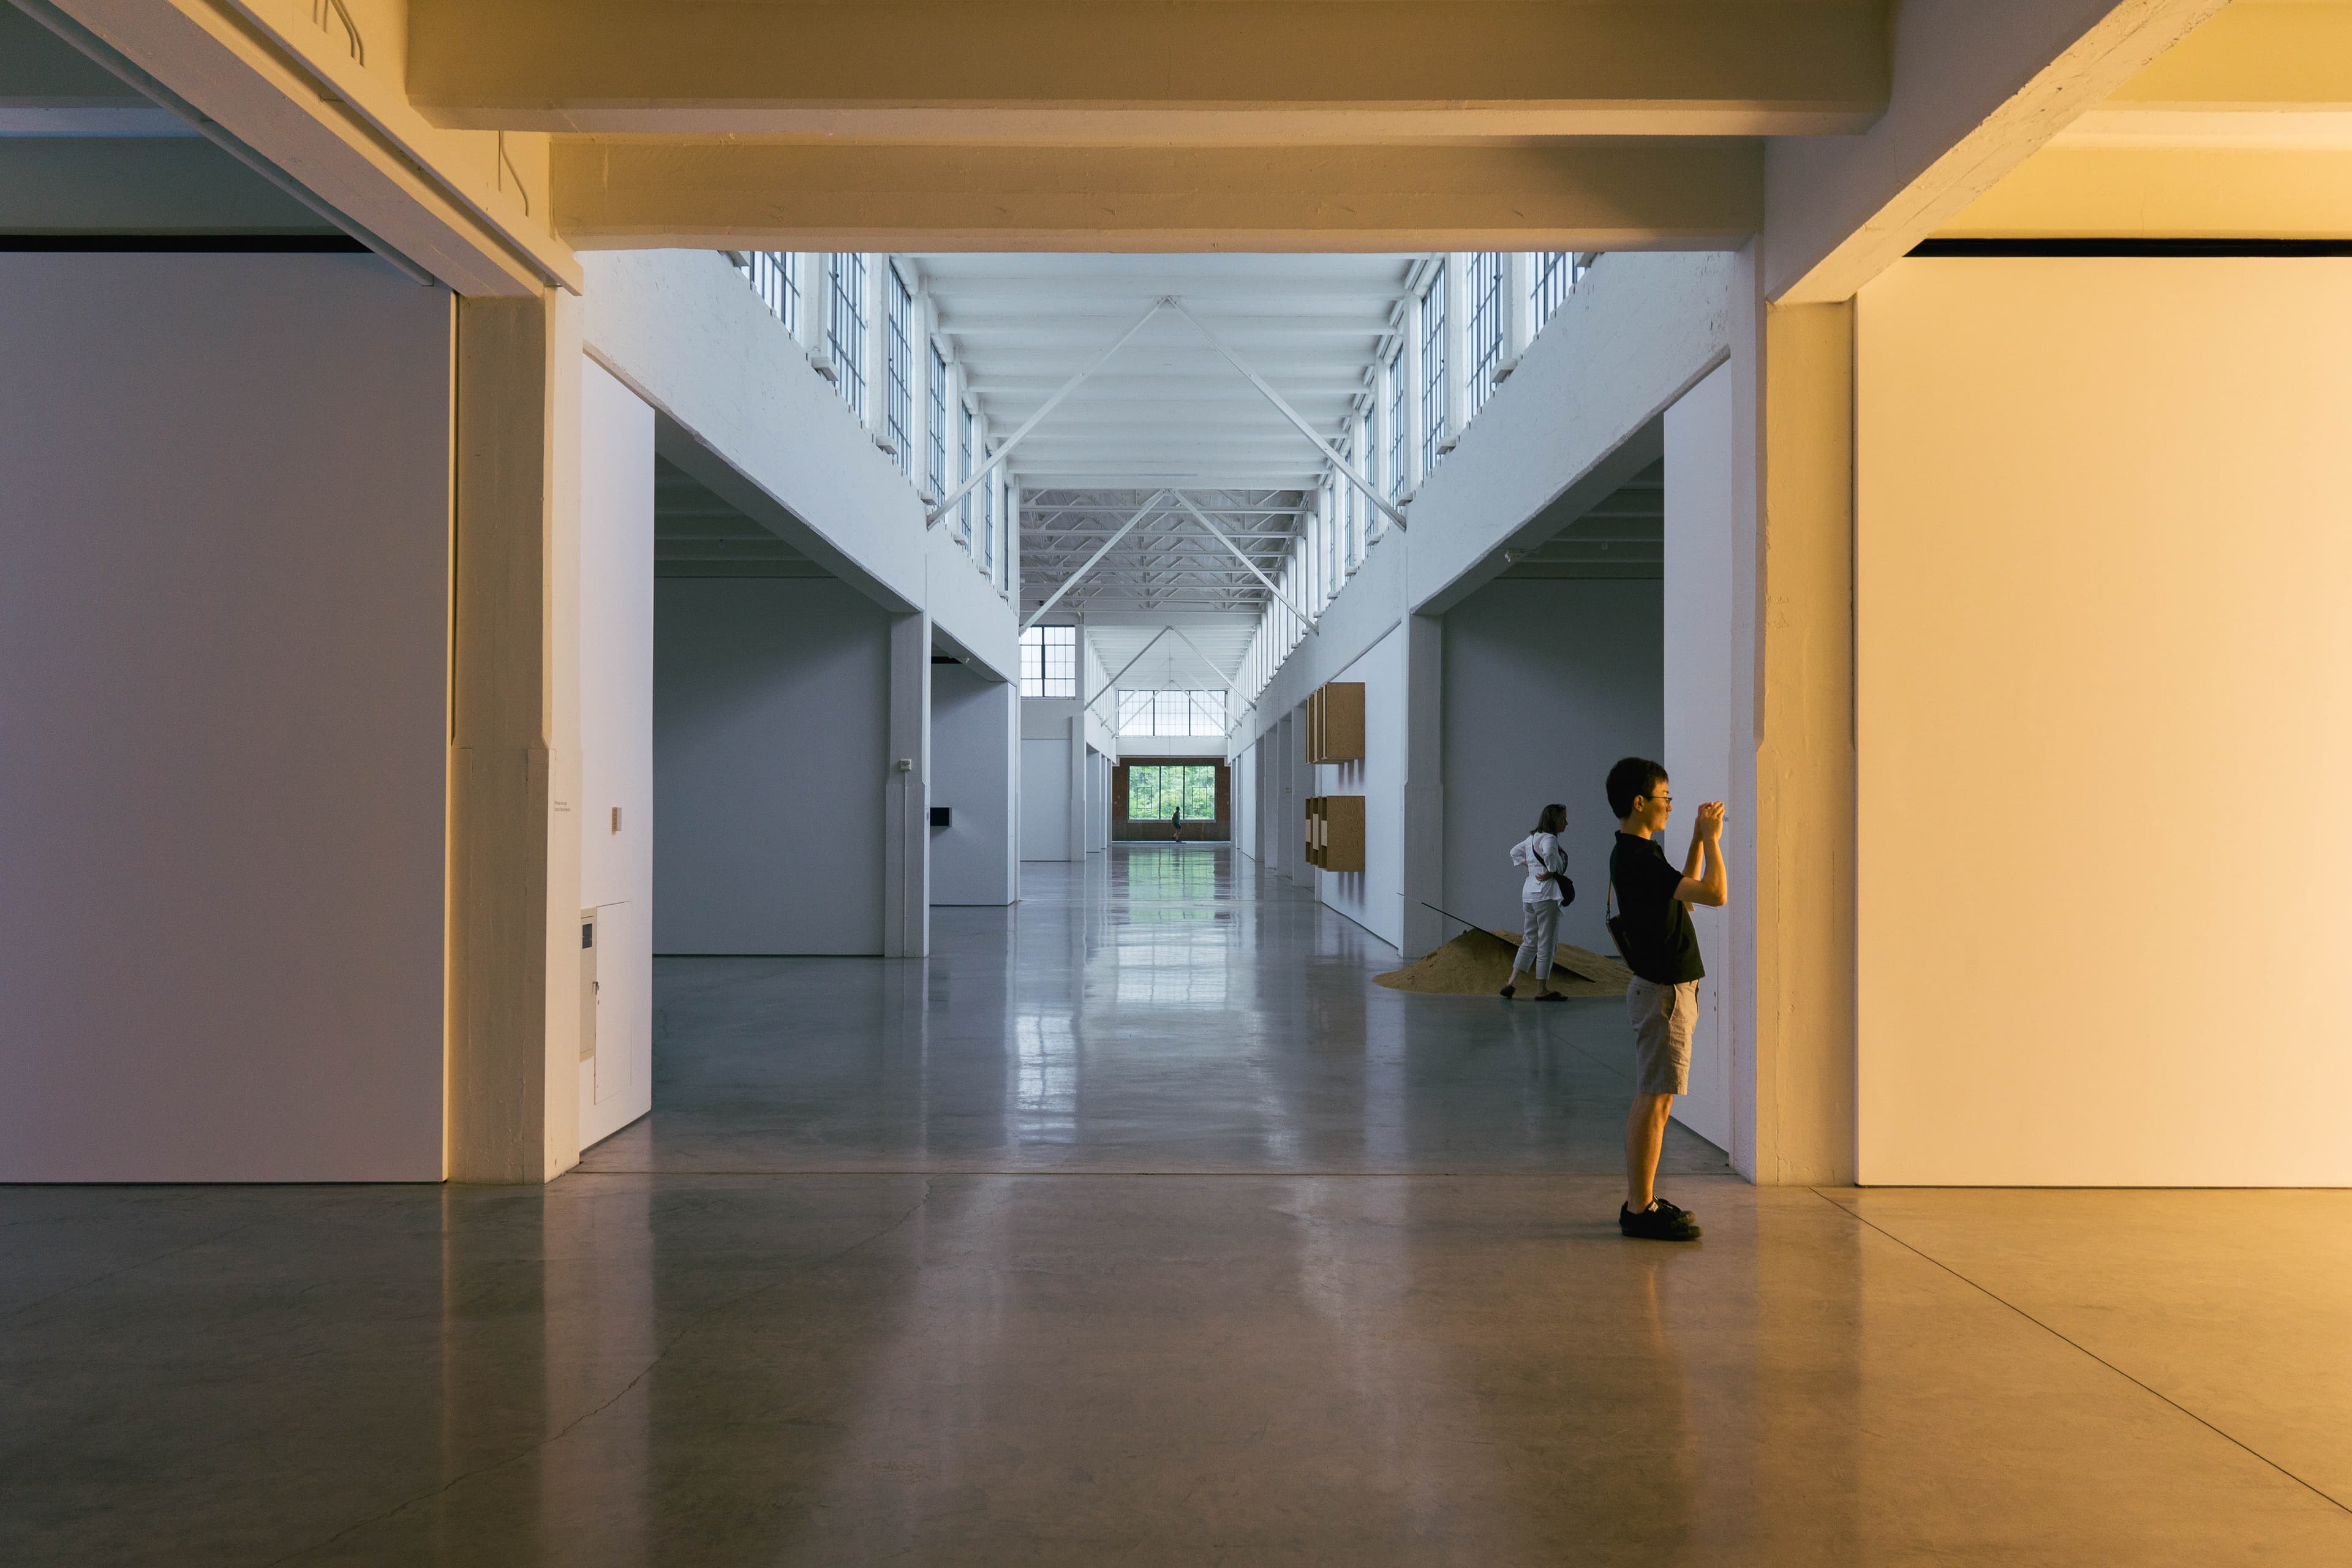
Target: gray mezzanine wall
[
  {"x": 974, "y": 760},
  {"x": 770, "y": 747},
  {"x": 1547, "y": 684},
  {"x": 224, "y": 720}
]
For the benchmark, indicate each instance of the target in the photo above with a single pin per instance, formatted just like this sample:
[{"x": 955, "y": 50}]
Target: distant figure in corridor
[
  {"x": 1542, "y": 896},
  {"x": 1176, "y": 824},
  {"x": 1653, "y": 932}
]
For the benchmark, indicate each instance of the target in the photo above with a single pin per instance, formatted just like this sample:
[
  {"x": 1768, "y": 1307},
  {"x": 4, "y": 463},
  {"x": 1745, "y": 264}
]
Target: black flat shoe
[
  {"x": 1660, "y": 1221},
  {"x": 1507, "y": 992}
]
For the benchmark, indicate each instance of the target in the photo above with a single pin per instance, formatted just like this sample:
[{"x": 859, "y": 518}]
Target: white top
[{"x": 1539, "y": 852}]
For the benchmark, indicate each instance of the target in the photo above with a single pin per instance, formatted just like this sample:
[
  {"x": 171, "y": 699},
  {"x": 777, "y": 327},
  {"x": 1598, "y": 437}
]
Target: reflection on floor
[{"x": 1139, "y": 1227}]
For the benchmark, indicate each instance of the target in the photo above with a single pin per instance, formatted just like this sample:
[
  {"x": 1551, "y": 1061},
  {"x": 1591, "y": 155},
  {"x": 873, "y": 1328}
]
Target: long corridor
[{"x": 1137, "y": 1227}]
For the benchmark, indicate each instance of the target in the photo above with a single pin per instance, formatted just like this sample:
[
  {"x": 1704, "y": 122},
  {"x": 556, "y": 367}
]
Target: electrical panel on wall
[{"x": 1335, "y": 723}]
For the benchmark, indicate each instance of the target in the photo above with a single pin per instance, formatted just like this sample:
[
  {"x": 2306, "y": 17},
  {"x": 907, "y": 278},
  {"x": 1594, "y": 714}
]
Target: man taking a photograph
[{"x": 1653, "y": 932}]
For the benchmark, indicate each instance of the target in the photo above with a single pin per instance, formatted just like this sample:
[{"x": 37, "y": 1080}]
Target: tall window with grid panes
[
  {"x": 898, "y": 392},
  {"x": 1552, "y": 277},
  {"x": 1171, "y": 713},
  {"x": 937, "y": 469},
  {"x": 1433, "y": 369},
  {"x": 1485, "y": 326},
  {"x": 845, "y": 327},
  {"x": 1049, "y": 661},
  {"x": 775, "y": 277}
]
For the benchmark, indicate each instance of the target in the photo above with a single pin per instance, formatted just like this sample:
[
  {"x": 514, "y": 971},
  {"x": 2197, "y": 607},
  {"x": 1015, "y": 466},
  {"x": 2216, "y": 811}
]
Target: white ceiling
[{"x": 1167, "y": 410}]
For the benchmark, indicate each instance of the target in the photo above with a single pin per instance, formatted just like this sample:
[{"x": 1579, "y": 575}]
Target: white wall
[
  {"x": 1247, "y": 814},
  {"x": 2102, "y": 658},
  {"x": 770, "y": 759},
  {"x": 1045, "y": 799},
  {"x": 224, "y": 625},
  {"x": 973, "y": 761},
  {"x": 1097, "y": 802},
  {"x": 1547, "y": 684},
  {"x": 686, "y": 334},
  {"x": 616, "y": 745},
  {"x": 1701, "y": 504},
  {"x": 1372, "y": 897}
]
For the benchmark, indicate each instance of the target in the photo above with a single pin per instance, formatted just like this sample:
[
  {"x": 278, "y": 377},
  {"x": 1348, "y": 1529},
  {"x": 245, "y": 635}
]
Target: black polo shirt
[{"x": 1658, "y": 924}]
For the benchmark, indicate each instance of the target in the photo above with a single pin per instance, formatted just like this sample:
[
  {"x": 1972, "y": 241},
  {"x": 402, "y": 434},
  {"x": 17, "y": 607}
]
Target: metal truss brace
[
  {"x": 1104, "y": 689},
  {"x": 1296, "y": 418},
  {"x": 932, "y": 519},
  {"x": 1304, "y": 619},
  {"x": 1231, "y": 689},
  {"x": 1072, "y": 581}
]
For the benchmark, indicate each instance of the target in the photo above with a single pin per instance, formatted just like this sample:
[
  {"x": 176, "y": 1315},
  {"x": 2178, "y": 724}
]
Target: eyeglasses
[{"x": 1657, "y": 799}]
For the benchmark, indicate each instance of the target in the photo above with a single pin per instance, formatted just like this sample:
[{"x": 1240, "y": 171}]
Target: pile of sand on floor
[{"x": 1476, "y": 963}]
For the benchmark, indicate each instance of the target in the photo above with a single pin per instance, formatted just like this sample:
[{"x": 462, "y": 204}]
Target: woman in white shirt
[{"x": 1545, "y": 890}]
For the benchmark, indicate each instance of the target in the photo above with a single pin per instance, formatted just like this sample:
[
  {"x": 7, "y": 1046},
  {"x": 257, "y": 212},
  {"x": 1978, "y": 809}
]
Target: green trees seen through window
[{"x": 1154, "y": 790}]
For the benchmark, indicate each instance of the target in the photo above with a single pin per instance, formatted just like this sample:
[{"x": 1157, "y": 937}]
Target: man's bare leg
[{"x": 1645, "y": 1136}]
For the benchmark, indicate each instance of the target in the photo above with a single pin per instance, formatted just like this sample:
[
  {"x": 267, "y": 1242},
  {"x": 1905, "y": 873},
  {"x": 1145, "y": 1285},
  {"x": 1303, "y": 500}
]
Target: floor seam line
[{"x": 2082, "y": 1350}]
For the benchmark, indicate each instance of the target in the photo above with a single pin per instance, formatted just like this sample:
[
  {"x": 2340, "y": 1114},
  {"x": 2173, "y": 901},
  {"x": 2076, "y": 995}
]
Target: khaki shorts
[{"x": 1664, "y": 1017}]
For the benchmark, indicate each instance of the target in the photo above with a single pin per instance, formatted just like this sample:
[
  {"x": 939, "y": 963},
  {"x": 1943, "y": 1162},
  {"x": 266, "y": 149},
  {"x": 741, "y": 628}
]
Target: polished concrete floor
[{"x": 1139, "y": 1227}]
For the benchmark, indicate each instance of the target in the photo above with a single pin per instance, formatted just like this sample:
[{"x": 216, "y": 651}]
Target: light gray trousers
[{"x": 1541, "y": 948}]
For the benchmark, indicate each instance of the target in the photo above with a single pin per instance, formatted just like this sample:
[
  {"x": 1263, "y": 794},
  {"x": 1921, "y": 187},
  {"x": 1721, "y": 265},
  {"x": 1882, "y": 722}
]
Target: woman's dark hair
[
  {"x": 1554, "y": 819},
  {"x": 1632, "y": 776}
]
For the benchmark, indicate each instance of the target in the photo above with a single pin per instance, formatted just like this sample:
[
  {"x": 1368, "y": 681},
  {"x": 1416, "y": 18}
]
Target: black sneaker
[{"x": 1660, "y": 1221}]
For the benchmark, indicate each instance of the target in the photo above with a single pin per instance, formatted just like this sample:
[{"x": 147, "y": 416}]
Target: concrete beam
[
  {"x": 2258, "y": 55},
  {"x": 469, "y": 208},
  {"x": 1283, "y": 72},
  {"x": 2182, "y": 193},
  {"x": 633, "y": 194},
  {"x": 1979, "y": 85}
]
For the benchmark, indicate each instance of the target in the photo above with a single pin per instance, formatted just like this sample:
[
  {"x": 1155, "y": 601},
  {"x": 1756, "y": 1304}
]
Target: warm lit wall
[
  {"x": 224, "y": 625},
  {"x": 1548, "y": 682},
  {"x": 2102, "y": 657},
  {"x": 616, "y": 743},
  {"x": 770, "y": 758}
]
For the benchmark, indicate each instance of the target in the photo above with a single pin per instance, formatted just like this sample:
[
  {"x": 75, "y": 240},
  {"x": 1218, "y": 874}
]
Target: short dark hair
[
  {"x": 1632, "y": 776},
  {"x": 1552, "y": 819}
]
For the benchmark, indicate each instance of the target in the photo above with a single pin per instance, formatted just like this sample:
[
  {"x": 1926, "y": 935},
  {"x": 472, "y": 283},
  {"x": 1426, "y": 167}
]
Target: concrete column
[
  {"x": 819, "y": 299},
  {"x": 514, "y": 844},
  {"x": 906, "y": 822},
  {"x": 1518, "y": 309},
  {"x": 1007, "y": 539},
  {"x": 1791, "y": 835},
  {"x": 926, "y": 321},
  {"x": 877, "y": 346},
  {"x": 811, "y": 323},
  {"x": 1425, "y": 782},
  {"x": 1291, "y": 814},
  {"x": 1079, "y": 786}
]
